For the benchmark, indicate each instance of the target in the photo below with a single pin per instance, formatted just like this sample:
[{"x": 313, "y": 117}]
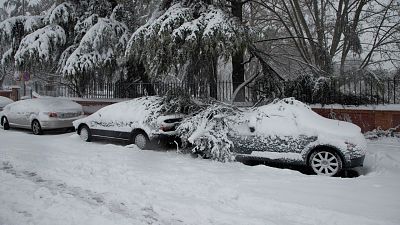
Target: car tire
[
  {"x": 140, "y": 139},
  {"x": 85, "y": 134},
  {"x": 6, "y": 125},
  {"x": 36, "y": 128},
  {"x": 325, "y": 162}
]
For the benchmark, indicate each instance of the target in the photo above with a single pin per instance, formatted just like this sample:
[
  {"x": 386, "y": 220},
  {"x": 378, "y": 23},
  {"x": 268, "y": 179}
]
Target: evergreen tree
[{"x": 187, "y": 38}]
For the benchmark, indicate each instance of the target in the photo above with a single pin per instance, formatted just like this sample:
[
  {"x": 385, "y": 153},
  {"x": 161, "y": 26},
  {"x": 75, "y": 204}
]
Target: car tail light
[
  {"x": 167, "y": 128},
  {"x": 53, "y": 114},
  {"x": 163, "y": 128}
]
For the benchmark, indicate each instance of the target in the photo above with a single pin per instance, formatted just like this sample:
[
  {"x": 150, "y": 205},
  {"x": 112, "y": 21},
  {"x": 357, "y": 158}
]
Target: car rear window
[{"x": 175, "y": 120}]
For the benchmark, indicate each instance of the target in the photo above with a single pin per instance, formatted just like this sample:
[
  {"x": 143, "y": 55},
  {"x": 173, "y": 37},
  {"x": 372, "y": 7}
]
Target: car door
[
  {"x": 244, "y": 135},
  {"x": 265, "y": 133},
  {"x": 13, "y": 114},
  {"x": 20, "y": 114}
]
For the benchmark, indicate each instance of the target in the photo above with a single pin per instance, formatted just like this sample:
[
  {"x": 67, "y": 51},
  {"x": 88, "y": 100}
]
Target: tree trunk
[
  {"x": 147, "y": 83},
  {"x": 237, "y": 57},
  {"x": 213, "y": 78}
]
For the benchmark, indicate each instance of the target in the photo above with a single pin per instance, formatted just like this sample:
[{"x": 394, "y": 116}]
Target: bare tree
[{"x": 325, "y": 31}]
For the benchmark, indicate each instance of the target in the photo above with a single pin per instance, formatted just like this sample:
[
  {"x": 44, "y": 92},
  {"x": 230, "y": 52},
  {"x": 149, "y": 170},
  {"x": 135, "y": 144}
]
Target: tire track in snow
[{"x": 146, "y": 214}]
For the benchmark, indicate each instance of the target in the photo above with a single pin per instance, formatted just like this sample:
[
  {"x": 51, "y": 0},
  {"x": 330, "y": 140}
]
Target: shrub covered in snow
[{"x": 378, "y": 133}]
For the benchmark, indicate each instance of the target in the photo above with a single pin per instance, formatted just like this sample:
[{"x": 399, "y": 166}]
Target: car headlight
[{"x": 350, "y": 145}]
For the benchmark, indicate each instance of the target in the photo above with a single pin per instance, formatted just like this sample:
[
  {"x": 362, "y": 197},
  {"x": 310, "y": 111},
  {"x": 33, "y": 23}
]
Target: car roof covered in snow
[
  {"x": 290, "y": 116},
  {"x": 48, "y": 104}
]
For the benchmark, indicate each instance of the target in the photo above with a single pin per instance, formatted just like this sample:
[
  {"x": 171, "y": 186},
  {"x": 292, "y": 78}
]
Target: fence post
[{"x": 394, "y": 90}]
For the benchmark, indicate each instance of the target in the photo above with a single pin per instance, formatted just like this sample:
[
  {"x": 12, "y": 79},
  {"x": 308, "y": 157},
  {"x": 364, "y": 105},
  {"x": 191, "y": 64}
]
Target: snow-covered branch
[
  {"x": 99, "y": 48},
  {"x": 40, "y": 45}
]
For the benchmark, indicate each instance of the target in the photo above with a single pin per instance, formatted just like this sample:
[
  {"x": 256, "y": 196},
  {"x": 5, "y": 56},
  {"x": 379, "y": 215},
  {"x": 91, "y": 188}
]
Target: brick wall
[
  {"x": 12, "y": 94},
  {"x": 366, "y": 119},
  {"x": 91, "y": 106},
  {"x": 5, "y": 94}
]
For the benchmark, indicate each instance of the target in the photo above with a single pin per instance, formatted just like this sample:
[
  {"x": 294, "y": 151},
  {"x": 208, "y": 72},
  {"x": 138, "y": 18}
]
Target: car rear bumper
[
  {"x": 57, "y": 124},
  {"x": 356, "y": 162}
]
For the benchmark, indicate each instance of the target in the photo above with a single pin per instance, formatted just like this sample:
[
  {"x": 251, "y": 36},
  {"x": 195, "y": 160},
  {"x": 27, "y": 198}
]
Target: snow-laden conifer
[{"x": 40, "y": 45}]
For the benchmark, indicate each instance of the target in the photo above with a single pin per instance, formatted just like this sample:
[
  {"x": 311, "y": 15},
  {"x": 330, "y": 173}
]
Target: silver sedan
[{"x": 41, "y": 114}]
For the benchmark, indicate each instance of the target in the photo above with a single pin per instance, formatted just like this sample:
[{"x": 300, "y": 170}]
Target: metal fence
[
  {"x": 333, "y": 91},
  {"x": 348, "y": 91}
]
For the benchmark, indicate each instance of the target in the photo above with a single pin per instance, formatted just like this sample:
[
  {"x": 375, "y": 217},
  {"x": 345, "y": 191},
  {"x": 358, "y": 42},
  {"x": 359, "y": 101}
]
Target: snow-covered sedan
[
  {"x": 4, "y": 101},
  {"x": 284, "y": 131},
  {"x": 41, "y": 114},
  {"x": 140, "y": 121}
]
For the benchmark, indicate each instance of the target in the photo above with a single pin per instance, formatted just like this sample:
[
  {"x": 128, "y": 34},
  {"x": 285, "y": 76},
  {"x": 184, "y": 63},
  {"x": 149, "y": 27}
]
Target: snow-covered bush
[
  {"x": 208, "y": 130},
  {"x": 378, "y": 133}
]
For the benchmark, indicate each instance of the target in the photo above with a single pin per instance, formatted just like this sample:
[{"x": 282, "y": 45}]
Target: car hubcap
[
  {"x": 325, "y": 163},
  {"x": 35, "y": 127},
  {"x": 140, "y": 141},
  {"x": 84, "y": 134}
]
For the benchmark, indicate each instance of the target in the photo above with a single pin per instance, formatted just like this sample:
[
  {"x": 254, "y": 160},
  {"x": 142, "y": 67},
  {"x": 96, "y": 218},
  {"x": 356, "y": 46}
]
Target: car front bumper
[
  {"x": 355, "y": 162},
  {"x": 166, "y": 139}
]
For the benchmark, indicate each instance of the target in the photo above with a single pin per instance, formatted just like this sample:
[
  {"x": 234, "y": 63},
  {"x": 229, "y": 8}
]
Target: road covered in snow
[{"x": 58, "y": 179}]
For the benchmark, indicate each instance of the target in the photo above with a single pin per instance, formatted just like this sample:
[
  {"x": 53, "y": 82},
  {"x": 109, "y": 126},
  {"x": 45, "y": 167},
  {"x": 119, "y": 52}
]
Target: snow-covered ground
[{"x": 58, "y": 179}]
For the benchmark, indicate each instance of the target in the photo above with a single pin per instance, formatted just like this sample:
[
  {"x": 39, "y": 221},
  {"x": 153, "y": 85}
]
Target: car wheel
[
  {"x": 6, "y": 125},
  {"x": 325, "y": 162},
  {"x": 85, "y": 134},
  {"x": 140, "y": 139},
  {"x": 36, "y": 128}
]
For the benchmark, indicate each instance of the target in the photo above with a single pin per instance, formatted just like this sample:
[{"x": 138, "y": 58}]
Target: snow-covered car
[
  {"x": 41, "y": 114},
  {"x": 4, "y": 101},
  {"x": 140, "y": 121},
  {"x": 284, "y": 131}
]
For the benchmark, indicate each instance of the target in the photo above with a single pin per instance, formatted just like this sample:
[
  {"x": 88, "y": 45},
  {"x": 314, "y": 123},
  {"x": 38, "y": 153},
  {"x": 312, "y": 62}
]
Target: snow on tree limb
[
  {"x": 171, "y": 38},
  {"x": 65, "y": 56},
  {"x": 82, "y": 27},
  {"x": 18, "y": 26},
  {"x": 99, "y": 48},
  {"x": 7, "y": 57},
  {"x": 40, "y": 45},
  {"x": 61, "y": 14}
]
